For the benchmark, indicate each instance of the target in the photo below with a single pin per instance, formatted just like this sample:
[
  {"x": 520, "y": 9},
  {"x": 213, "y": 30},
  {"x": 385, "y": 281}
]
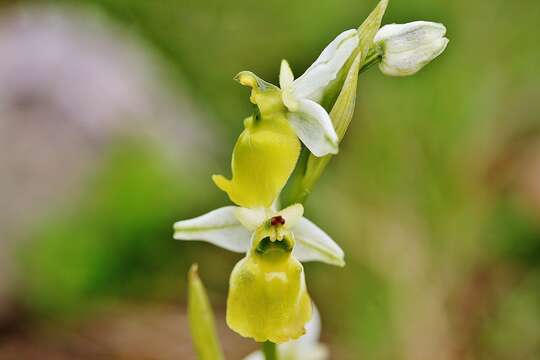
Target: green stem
[
  {"x": 374, "y": 57},
  {"x": 269, "y": 350}
]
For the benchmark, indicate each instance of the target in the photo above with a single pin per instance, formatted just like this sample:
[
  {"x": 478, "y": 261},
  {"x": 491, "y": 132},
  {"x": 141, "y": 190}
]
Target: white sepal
[
  {"x": 407, "y": 48},
  {"x": 313, "y": 126},
  {"x": 312, "y": 84},
  {"x": 313, "y": 244},
  {"x": 219, "y": 227}
]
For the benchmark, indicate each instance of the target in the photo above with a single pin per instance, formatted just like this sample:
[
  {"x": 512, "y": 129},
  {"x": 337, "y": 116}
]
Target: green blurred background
[{"x": 115, "y": 113}]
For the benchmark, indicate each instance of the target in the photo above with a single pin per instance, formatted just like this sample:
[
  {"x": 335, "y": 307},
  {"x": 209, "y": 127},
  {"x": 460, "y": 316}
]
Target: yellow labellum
[
  {"x": 266, "y": 151},
  {"x": 268, "y": 299}
]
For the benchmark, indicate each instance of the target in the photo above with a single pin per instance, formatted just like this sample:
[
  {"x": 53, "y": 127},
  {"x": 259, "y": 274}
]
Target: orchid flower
[
  {"x": 307, "y": 347},
  {"x": 267, "y": 298},
  {"x": 267, "y": 150}
]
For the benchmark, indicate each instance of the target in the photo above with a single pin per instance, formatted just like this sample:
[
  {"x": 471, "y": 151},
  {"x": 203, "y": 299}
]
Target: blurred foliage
[
  {"x": 407, "y": 198},
  {"x": 108, "y": 245}
]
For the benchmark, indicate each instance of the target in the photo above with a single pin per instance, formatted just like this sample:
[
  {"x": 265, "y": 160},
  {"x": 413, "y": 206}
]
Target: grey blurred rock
[{"x": 71, "y": 81}]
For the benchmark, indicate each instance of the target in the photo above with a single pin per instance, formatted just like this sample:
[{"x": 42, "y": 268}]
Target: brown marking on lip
[{"x": 277, "y": 220}]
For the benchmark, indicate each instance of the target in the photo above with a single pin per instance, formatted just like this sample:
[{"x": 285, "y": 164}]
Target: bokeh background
[{"x": 114, "y": 113}]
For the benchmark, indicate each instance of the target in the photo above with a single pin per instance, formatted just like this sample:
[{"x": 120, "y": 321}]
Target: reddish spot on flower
[{"x": 277, "y": 220}]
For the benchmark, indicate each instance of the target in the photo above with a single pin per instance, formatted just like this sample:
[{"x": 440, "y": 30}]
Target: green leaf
[{"x": 201, "y": 319}]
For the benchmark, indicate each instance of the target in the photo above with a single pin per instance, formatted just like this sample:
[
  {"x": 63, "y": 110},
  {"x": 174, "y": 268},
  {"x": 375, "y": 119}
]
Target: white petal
[
  {"x": 251, "y": 219},
  {"x": 219, "y": 227},
  {"x": 313, "y": 244},
  {"x": 292, "y": 215},
  {"x": 286, "y": 76},
  {"x": 313, "y": 82},
  {"x": 313, "y": 126}
]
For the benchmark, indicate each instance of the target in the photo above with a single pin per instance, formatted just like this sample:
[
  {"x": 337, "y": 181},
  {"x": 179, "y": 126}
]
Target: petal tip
[{"x": 222, "y": 182}]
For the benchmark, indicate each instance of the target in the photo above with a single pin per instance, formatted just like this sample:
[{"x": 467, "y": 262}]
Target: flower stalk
[{"x": 269, "y": 350}]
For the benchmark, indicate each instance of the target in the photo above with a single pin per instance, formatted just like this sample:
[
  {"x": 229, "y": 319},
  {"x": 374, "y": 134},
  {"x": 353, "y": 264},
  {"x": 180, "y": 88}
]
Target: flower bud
[
  {"x": 407, "y": 48},
  {"x": 266, "y": 151},
  {"x": 268, "y": 300}
]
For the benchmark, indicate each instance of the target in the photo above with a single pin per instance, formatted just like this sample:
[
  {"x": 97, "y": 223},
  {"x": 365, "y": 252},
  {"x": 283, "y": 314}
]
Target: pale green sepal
[
  {"x": 369, "y": 28},
  {"x": 219, "y": 227},
  {"x": 201, "y": 320},
  {"x": 313, "y": 126},
  {"x": 343, "y": 109},
  {"x": 313, "y": 244}
]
